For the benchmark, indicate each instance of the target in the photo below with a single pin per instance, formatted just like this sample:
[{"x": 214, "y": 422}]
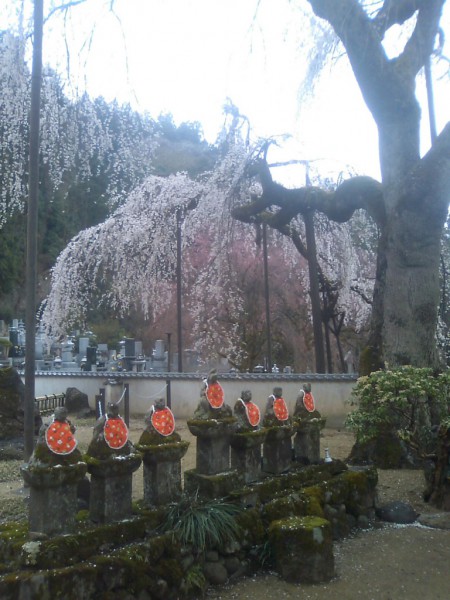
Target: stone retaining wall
[{"x": 133, "y": 559}]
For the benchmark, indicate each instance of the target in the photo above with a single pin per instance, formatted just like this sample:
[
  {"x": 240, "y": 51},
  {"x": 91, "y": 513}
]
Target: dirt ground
[{"x": 390, "y": 562}]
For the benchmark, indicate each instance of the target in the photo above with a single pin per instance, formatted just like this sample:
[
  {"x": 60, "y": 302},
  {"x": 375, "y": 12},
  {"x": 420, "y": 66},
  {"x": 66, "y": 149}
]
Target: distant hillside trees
[{"x": 92, "y": 154}]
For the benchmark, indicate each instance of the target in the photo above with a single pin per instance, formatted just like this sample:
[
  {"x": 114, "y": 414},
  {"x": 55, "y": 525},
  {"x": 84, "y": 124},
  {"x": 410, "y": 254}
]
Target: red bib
[
  {"x": 252, "y": 412},
  {"x": 308, "y": 402},
  {"x": 60, "y": 438},
  {"x": 116, "y": 433},
  {"x": 280, "y": 409},
  {"x": 215, "y": 395},
  {"x": 163, "y": 421}
]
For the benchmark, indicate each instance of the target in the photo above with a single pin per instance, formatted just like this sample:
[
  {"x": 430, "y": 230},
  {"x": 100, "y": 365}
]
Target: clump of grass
[{"x": 203, "y": 524}]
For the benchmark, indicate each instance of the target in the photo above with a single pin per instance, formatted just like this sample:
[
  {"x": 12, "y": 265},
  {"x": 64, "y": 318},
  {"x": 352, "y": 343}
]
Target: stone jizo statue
[
  {"x": 277, "y": 412},
  {"x": 212, "y": 399},
  {"x": 247, "y": 412},
  {"x": 305, "y": 406},
  {"x": 110, "y": 431},
  {"x": 160, "y": 419}
]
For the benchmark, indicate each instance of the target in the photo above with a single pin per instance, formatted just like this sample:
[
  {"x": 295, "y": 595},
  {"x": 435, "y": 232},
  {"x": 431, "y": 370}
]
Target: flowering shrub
[{"x": 408, "y": 401}]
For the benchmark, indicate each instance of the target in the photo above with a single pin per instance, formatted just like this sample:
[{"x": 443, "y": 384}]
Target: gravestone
[{"x": 12, "y": 397}]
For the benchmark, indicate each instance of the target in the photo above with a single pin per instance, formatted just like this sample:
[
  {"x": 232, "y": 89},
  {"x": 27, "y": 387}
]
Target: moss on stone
[
  {"x": 12, "y": 538},
  {"x": 42, "y": 453},
  {"x": 168, "y": 451},
  {"x": 99, "y": 449},
  {"x": 152, "y": 438},
  {"x": 252, "y": 527},
  {"x": 302, "y": 530},
  {"x": 212, "y": 423}
]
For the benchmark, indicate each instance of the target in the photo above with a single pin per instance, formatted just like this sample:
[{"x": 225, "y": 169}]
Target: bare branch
[
  {"x": 385, "y": 84},
  {"x": 421, "y": 43},
  {"x": 64, "y": 7},
  {"x": 395, "y": 12}
]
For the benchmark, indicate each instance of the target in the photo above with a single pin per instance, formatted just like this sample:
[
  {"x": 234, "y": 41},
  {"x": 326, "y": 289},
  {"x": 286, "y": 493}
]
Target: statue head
[
  {"x": 159, "y": 404},
  {"x": 112, "y": 409},
  {"x": 212, "y": 376},
  {"x": 277, "y": 392},
  {"x": 61, "y": 413},
  {"x": 246, "y": 395},
  {"x": 307, "y": 387}
]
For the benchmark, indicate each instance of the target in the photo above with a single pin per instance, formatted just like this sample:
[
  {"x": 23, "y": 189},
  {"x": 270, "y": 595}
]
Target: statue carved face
[{"x": 277, "y": 392}]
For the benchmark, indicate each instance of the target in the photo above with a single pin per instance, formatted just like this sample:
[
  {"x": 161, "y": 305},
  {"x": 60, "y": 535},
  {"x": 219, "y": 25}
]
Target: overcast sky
[{"x": 187, "y": 56}]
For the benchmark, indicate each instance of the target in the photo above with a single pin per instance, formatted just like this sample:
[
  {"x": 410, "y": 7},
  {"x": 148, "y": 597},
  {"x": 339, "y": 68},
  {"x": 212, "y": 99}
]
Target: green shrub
[{"x": 409, "y": 401}]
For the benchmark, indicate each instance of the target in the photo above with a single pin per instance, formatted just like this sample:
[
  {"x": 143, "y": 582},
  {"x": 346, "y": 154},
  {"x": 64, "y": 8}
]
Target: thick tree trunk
[
  {"x": 406, "y": 298},
  {"x": 411, "y": 295},
  {"x": 415, "y": 192}
]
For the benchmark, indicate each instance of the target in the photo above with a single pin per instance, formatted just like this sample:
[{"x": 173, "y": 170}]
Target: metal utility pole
[
  {"x": 32, "y": 220},
  {"x": 267, "y": 298},
  {"x": 179, "y": 295},
  {"x": 168, "y": 383}
]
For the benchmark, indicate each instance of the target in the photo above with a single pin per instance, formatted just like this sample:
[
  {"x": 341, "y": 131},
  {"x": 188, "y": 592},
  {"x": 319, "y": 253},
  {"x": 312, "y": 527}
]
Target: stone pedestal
[
  {"x": 213, "y": 444},
  {"x": 162, "y": 472},
  {"x": 53, "y": 496},
  {"x": 111, "y": 487},
  {"x": 303, "y": 548},
  {"x": 277, "y": 450},
  {"x": 208, "y": 487},
  {"x": 212, "y": 477},
  {"x": 307, "y": 441},
  {"x": 246, "y": 453}
]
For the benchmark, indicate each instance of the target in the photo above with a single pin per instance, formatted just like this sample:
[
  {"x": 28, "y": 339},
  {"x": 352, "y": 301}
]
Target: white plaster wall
[{"x": 332, "y": 394}]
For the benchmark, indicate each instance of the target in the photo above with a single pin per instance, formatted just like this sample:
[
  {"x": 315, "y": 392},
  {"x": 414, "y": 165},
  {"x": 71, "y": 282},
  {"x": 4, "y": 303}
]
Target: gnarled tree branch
[{"x": 278, "y": 206}]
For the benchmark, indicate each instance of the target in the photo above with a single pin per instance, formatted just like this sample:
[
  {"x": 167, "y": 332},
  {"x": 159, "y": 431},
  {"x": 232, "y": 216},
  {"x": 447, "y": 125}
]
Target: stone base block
[
  {"x": 303, "y": 548},
  {"x": 277, "y": 455},
  {"x": 52, "y": 510},
  {"x": 162, "y": 483},
  {"x": 211, "y": 486},
  {"x": 213, "y": 455},
  {"x": 307, "y": 444},
  {"x": 248, "y": 462},
  {"x": 53, "y": 497},
  {"x": 111, "y": 487},
  {"x": 110, "y": 498}
]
